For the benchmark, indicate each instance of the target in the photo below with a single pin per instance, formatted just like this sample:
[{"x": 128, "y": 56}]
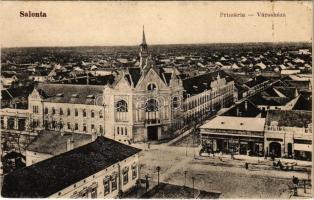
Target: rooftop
[
  {"x": 52, "y": 142},
  {"x": 289, "y": 118},
  {"x": 52, "y": 93},
  {"x": 236, "y": 123},
  {"x": 54, "y": 174}
]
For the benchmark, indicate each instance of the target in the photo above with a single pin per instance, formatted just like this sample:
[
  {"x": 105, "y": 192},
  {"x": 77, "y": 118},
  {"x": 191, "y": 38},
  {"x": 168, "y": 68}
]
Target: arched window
[
  {"x": 84, "y": 113},
  {"x": 53, "y": 111},
  {"x": 69, "y": 112},
  {"x": 61, "y": 111},
  {"x": 151, "y": 105},
  {"x": 175, "y": 102},
  {"x": 92, "y": 114},
  {"x": 122, "y": 106},
  {"x": 46, "y": 110},
  {"x": 151, "y": 87}
]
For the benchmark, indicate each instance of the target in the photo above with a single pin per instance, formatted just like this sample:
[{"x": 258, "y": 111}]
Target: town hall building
[{"x": 138, "y": 104}]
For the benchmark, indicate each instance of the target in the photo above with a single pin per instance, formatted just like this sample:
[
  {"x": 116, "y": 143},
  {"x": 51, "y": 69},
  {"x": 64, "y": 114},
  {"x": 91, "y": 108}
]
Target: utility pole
[
  {"x": 193, "y": 178},
  {"x": 185, "y": 172},
  {"x": 158, "y": 170}
]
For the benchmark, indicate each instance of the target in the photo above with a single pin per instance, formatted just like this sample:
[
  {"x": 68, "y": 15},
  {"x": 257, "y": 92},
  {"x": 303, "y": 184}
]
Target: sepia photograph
[{"x": 156, "y": 100}]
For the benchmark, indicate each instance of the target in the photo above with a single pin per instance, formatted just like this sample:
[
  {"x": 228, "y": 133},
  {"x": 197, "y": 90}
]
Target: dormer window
[
  {"x": 75, "y": 96},
  {"x": 59, "y": 95},
  {"x": 151, "y": 87},
  {"x": 90, "y": 97}
]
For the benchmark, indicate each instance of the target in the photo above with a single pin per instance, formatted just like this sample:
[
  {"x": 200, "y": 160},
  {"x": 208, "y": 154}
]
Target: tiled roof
[
  {"x": 135, "y": 73},
  {"x": 303, "y": 104},
  {"x": 289, "y": 118},
  {"x": 258, "y": 99},
  {"x": 242, "y": 110},
  {"x": 23, "y": 91},
  {"x": 54, "y": 174},
  {"x": 256, "y": 81},
  {"x": 198, "y": 84},
  {"x": 52, "y": 142},
  {"x": 68, "y": 91}
]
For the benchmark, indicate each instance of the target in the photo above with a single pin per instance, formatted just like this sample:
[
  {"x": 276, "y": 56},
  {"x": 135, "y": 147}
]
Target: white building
[{"x": 101, "y": 169}]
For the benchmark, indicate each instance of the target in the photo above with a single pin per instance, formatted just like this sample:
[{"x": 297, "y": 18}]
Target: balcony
[{"x": 150, "y": 122}]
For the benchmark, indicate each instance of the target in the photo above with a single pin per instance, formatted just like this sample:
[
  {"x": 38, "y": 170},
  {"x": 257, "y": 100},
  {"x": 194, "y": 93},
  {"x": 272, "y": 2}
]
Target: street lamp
[
  {"x": 158, "y": 170},
  {"x": 193, "y": 178},
  {"x": 185, "y": 172}
]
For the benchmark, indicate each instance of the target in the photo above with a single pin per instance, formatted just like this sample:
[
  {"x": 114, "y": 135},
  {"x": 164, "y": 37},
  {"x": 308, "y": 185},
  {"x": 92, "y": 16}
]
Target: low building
[
  {"x": 101, "y": 169},
  {"x": 288, "y": 133},
  {"x": 52, "y": 143},
  {"x": 244, "y": 135}
]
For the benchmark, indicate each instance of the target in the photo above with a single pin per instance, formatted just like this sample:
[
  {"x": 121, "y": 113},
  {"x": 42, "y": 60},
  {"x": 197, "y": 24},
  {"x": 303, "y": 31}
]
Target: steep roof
[
  {"x": 54, "y": 174},
  {"x": 69, "y": 93},
  {"x": 135, "y": 73},
  {"x": 289, "y": 118},
  {"x": 303, "y": 104},
  {"x": 52, "y": 142}
]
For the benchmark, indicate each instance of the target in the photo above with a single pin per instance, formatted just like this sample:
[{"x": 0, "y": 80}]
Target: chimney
[
  {"x": 94, "y": 135},
  {"x": 245, "y": 105},
  {"x": 69, "y": 144}
]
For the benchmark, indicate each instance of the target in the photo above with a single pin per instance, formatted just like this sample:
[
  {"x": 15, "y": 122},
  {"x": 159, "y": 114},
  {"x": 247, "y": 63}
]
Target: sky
[{"x": 78, "y": 23}]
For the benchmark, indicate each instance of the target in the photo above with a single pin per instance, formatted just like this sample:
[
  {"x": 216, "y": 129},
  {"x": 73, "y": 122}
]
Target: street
[{"x": 218, "y": 174}]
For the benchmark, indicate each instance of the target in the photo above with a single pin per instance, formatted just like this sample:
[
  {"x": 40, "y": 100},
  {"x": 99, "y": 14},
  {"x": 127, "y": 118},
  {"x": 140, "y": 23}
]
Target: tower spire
[{"x": 144, "y": 39}]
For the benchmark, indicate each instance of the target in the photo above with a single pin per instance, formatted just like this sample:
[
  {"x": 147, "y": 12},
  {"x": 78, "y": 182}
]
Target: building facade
[
  {"x": 90, "y": 171},
  {"x": 288, "y": 133},
  {"x": 141, "y": 103},
  {"x": 242, "y": 135}
]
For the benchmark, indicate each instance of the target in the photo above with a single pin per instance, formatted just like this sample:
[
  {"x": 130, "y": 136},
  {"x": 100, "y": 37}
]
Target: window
[
  {"x": 69, "y": 125},
  {"x": 126, "y": 131},
  {"x": 118, "y": 130},
  {"x": 84, "y": 128},
  {"x": 61, "y": 111},
  {"x": 53, "y": 111},
  {"x": 151, "y": 105},
  {"x": 92, "y": 114},
  {"x": 175, "y": 102},
  {"x": 76, "y": 112},
  {"x": 35, "y": 109},
  {"x": 46, "y": 110},
  {"x": 122, "y": 131},
  {"x": 2, "y": 122},
  {"x": 114, "y": 182},
  {"x": 100, "y": 114},
  {"x": 101, "y": 129},
  {"x": 125, "y": 175},
  {"x": 92, "y": 127},
  {"x": 94, "y": 193},
  {"x": 84, "y": 113},
  {"x": 122, "y": 106},
  {"x": 151, "y": 87},
  {"x": 69, "y": 112},
  {"x": 76, "y": 126},
  {"x": 134, "y": 171},
  {"x": 106, "y": 186}
]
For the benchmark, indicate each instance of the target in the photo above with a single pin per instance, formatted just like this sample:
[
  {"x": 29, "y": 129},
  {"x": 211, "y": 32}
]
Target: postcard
[{"x": 156, "y": 99}]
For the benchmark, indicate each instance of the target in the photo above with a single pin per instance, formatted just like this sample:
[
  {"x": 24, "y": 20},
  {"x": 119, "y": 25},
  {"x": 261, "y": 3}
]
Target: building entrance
[
  {"x": 152, "y": 133},
  {"x": 275, "y": 149}
]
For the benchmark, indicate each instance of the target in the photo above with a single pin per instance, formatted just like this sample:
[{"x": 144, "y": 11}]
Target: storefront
[{"x": 232, "y": 144}]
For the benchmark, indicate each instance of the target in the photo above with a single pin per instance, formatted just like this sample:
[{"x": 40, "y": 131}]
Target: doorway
[{"x": 152, "y": 133}]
